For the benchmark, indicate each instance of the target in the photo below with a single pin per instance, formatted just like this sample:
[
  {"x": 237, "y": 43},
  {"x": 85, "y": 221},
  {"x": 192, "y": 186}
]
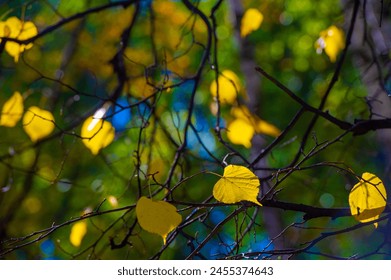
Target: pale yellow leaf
[
  {"x": 78, "y": 231},
  {"x": 38, "y": 123},
  {"x": 12, "y": 110},
  {"x": 237, "y": 184},
  {"x": 332, "y": 41},
  {"x": 97, "y": 134},
  {"x": 229, "y": 87},
  {"x": 368, "y": 198},
  {"x": 251, "y": 21},
  {"x": 157, "y": 217}
]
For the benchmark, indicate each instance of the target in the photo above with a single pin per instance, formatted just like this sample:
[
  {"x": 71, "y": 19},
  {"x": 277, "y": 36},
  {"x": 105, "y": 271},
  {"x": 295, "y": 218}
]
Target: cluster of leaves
[{"x": 132, "y": 113}]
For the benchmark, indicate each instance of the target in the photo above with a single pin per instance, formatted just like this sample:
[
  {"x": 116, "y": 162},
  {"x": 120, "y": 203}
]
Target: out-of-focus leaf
[
  {"x": 12, "y": 110},
  {"x": 78, "y": 231},
  {"x": 251, "y": 21},
  {"x": 158, "y": 217},
  {"x": 229, "y": 87},
  {"x": 17, "y": 29},
  {"x": 237, "y": 184},
  {"x": 260, "y": 126},
  {"x": 97, "y": 134},
  {"x": 332, "y": 41},
  {"x": 368, "y": 198},
  {"x": 38, "y": 123},
  {"x": 242, "y": 129},
  {"x": 240, "y": 132}
]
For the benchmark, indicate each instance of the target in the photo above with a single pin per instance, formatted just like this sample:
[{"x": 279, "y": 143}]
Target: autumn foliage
[{"x": 194, "y": 130}]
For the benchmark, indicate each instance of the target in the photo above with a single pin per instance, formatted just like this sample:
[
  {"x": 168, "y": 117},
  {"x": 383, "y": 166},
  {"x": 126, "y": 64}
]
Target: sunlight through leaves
[
  {"x": 38, "y": 123},
  {"x": 157, "y": 217},
  {"x": 237, "y": 184},
  {"x": 368, "y": 198}
]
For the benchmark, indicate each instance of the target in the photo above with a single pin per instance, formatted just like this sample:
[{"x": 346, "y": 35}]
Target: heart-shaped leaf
[
  {"x": 237, "y": 184},
  {"x": 97, "y": 134},
  {"x": 157, "y": 217},
  {"x": 368, "y": 198},
  {"x": 38, "y": 123}
]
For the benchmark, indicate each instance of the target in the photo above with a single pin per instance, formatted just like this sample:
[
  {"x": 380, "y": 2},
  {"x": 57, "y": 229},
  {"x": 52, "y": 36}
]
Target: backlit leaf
[
  {"x": 251, "y": 21},
  {"x": 38, "y": 123},
  {"x": 229, "y": 87},
  {"x": 260, "y": 126},
  {"x": 17, "y": 29},
  {"x": 240, "y": 132},
  {"x": 332, "y": 41},
  {"x": 237, "y": 184},
  {"x": 245, "y": 124},
  {"x": 368, "y": 198},
  {"x": 12, "y": 110},
  {"x": 78, "y": 231},
  {"x": 157, "y": 217},
  {"x": 97, "y": 134}
]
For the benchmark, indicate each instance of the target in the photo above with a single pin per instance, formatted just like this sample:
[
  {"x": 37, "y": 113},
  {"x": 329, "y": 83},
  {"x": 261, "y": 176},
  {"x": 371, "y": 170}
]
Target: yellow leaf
[
  {"x": 38, "y": 123},
  {"x": 78, "y": 231},
  {"x": 266, "y": 128},
  {"x": 17, "y": 29},
  {"x": 368, "y": 198},
  {"x": 97, "y": 134},
  {"x": 229, "y": 87},
  {"x": 251, "y": 21},
  {"x": 157, "y": 217},
  {"x": 12, "y": 110},
  {"x": 237, "y": 184},
  {"x": 260, "y": 126},
  {"x": 240, "y": 132},
  {"x": 332, "y": 40}
]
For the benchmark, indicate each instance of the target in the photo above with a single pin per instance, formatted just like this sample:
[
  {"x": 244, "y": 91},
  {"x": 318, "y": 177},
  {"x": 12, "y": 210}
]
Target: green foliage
[{"x": 164, "y": 90}]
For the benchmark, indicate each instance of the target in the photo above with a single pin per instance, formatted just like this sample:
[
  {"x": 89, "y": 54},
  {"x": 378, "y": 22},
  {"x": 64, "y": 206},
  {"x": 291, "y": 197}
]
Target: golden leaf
[
  {"x": 38, "y": 123},
  {"x": 368, "y": 198},
  {"x": 157, "y": 217},
  {"x": 251, "y": 21},
  {"x": 237, "y": 184},
  {"x": 332, "y": 41},
  {"x": 12, "y": 110},
  {"x": 229, "y": 87},
  {"x": 97, "y": 134},
  {"x": 78, "y": 231},
  {"x": 17, "y": 29},
  {"x": 260, "y": 126},
  {"x": 240, "y": 132}
]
